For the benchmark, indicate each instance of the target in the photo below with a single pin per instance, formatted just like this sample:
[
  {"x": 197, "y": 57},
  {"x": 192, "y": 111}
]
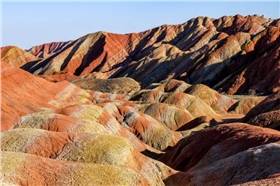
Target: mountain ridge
[
  {"x": 157, "y": 107},
  {"x": 196, "y": 51}
]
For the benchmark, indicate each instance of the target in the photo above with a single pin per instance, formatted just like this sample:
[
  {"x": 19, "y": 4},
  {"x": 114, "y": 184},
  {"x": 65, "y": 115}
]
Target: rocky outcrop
[
  {"x": 219, "y": 156},
  {"x": 23, "y": 93},
  {"x": 172, "y": 85},
  {"x": 269, "y": 119},
  {"x": 218, "y": 102},
  {"x": 196, "y": 122},
  {"x": 270, "y": 103},
  {"x": 141, "y": 109},
  {"x": 242, "y": 168},
  {"x": 48, "y": 49},
  {"x": 171, "y": 115},
  {"x": 22, "y": 169},
  {"x": 193, "y": 104},
  {"x": 216, "y": 144},
  {"x": 232, "y": 54},
  {"x": 115, "y": 85},
  {"x": 16, "y": 57},
  {"x": 245, "y": 104}
]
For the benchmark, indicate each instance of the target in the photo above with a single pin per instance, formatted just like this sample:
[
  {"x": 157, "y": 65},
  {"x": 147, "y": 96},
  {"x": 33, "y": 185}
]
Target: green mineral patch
[
  {"x": 63, "y": 172},
  {"x": 88, "y": 112},
  {"x": 101, "y": 149},
  {"x": 96, "y": 174},
  {"x": 11, "y": 162},
  {"x": 18, "y": 139},
  {"x": 89, "y": 126},
  {"x": 36, "y": 120}
]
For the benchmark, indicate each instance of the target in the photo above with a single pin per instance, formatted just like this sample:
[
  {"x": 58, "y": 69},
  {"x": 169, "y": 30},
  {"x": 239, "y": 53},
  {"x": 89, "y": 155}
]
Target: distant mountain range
[
  {"x": 191, "y": 104},
  {"x": 232, "y": 54}
]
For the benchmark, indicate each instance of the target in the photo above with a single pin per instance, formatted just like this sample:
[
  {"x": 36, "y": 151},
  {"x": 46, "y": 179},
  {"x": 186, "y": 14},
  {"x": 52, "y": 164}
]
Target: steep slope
[
  {"x": 48, "y": 49},
  {"x": 270, "y": 103},
  {"x": 232, "y": 54},
  {"x": 206, "y": 145},
  {"x": 242, "y": 168},
  {"x": 16, "y": 57},
  {"x": 220, "y": 156},
  {"x": 23, "y": 93},
  {"x": 140, "y": 108}
]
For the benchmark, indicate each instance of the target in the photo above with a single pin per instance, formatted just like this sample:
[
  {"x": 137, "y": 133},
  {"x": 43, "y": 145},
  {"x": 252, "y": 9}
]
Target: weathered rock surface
[
  {"x": 270, "y": 103},
  {"x": 115, "y": 85},
  {"x": 24, "y": 169},
  {"x": 220, "y": 156},
  {"x": 23, "y": 93},
  {"x": 242, "y": 167},
  {"x": 172, "y": 85},
  {"x": 193, "y": 104},
  {"x": 16, "y": 57},
  {"x": 269, "y": 119},
  {"x": 87, "y": 148},
  {"x": 212, "y": 145},
  {"x": 270, "y": 180},
  {"x": 141, "y": 109},
  {"x": 233, "y": 54},
  {"x": 171, "y": 115},
  {"x": 218, "y": 102},
  {"x": 245, "y": 104},
  {"x": 48, "y": 49},
  {"x": 196, "y": 122}
]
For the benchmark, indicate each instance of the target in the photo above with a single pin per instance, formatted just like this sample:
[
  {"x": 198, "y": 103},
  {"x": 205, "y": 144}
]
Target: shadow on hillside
[
  {"x": 92, "y": 54},
  {"x": 138, "y": 52},
  {"x": 35, "y": 65},
  {"x": 151, "y": 154}
]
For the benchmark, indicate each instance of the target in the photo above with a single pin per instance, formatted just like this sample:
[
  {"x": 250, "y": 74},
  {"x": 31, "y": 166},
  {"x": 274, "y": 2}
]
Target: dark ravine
[
  {"x": 191, "y": 104},
  {"x": 232, "y": 54}
]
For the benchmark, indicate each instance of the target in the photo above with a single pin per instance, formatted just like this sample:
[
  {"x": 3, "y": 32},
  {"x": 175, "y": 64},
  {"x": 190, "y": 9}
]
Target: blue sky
[{"x": 25, "y": 24}]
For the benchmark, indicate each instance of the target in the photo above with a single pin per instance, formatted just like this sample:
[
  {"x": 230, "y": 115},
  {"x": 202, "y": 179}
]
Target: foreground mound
[
  {"x": 163, "y": 127},
  {"x": 225, "y": 155},
  {"x": 24, "y": 169}
]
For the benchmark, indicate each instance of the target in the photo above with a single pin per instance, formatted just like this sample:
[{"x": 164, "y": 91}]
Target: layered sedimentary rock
[
  {"x": 269, "y": 119},
  {"x": 145, "y": 108},
  {"x": 248, "y": 167},
  {"x": 115, "y": 85},
  {"x": 48, "y": 49},
  {"x": 16, "y": 57},
  {"x": 270, "y": 103},
  {"x": 243, "y": 150},
  {"x": 245, "y": 104},
  {"x": 233, "y": 54},
  {"x": 23, "y": 93},
  {"x": 89, "y": 148},
  {"x": 206, "y": 144}
]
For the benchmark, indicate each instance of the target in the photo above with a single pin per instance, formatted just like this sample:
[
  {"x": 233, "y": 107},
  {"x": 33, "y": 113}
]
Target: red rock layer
[
  {"x": 23, "y": 93},
  {"x": 270, "y": 103},
  {"x": 209, "y": 146},
  {"x": 233, "y": 54},
  {"x": 48, "y": 49},
  {"x": 15, "y": 56},
  {"x": 106, "y": 132}
]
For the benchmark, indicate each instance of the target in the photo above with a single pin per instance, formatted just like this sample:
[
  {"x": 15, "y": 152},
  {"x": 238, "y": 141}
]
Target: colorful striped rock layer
[{"x": 191, "y": 104}]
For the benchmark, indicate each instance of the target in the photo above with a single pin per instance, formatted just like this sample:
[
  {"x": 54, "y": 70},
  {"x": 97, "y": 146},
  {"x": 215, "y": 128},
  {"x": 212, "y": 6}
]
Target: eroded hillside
[{"x": 148, "y": 108}]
